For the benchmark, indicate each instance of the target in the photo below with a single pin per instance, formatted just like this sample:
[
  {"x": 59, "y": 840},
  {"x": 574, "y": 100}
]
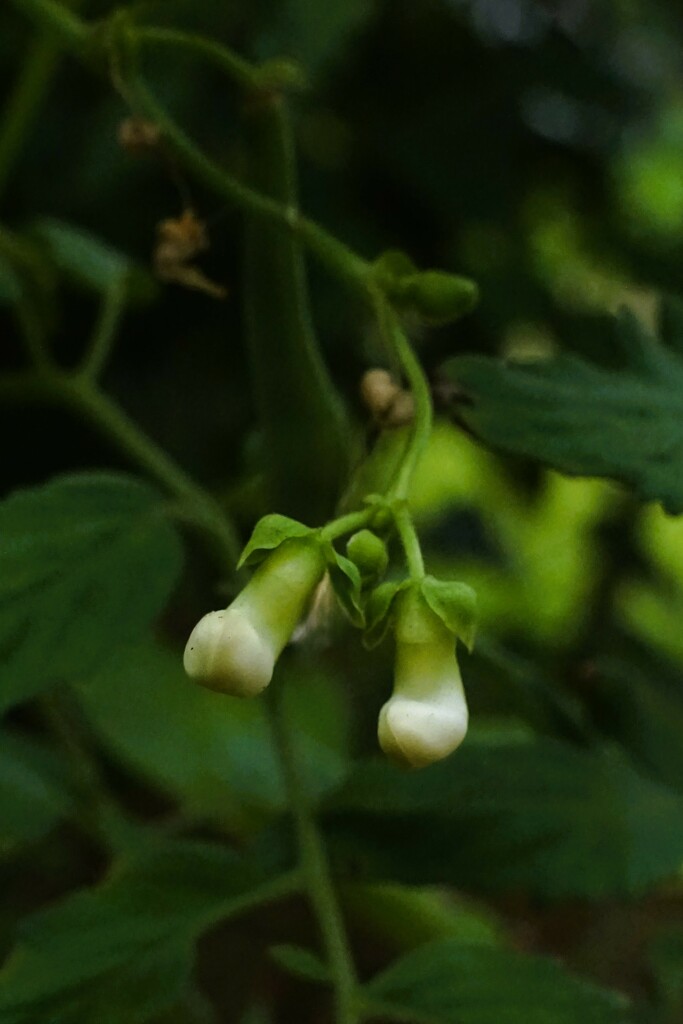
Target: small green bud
[
  {"x": 392, "y": 266},
  {"x": 234, "y": 650},
  {"x": 282, "y": 74},
  {"x": 437, "y": 296},
  {"x": 369, "y": 553}
]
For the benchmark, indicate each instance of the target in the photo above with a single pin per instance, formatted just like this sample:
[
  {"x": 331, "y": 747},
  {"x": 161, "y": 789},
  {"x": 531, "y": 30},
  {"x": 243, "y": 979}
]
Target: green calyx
[
  {"x": 269, "y": 533},
  {"x": 421, "y": 612}
]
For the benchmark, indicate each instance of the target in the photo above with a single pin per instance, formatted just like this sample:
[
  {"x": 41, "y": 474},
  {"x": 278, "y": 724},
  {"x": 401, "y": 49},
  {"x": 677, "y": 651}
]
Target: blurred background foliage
[{"x": 537, "y": 147}]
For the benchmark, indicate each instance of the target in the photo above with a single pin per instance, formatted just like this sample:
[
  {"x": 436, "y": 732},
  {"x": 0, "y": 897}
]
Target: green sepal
[
  {"x": 456, "y": 605},
  {"x": 347, "y": 585},
  {"x": 269, "y": 533},
  {"x": 378, "y": 611},
  {"x": 436, "y": 296},
  {"x": 414, "y": 620}
]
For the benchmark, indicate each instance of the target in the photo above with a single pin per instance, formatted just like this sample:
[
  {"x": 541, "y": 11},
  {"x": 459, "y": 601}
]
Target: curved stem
[
  {"x": 401, "y": 350},
  {"x": 316, "y": 869},
  {"x": 339, "y": 258},
  {"x": 347, "y": 524},
  {"x": 73, "y": 31},
  {"x": 61, "y": 24},
  {"x": 410, "y": 541},
  {"x": 236, "y": 68},
  {"x": 105, "y": 331},
  {"x": 23, "y": 103},
  {"x": 78, "y": 394}
]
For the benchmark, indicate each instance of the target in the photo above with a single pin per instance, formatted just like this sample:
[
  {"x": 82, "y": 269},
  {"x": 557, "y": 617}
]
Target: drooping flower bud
[
  {"x": 426, "y": 718},
  {"x": 234, "y": 650}
]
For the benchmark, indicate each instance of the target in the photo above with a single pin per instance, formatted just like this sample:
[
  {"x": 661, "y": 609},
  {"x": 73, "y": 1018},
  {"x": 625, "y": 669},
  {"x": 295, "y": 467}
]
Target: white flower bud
[
  {"x": 226, "y": 653},
  {"x": 426, "y": 718},
  {"x": 234, "y": 650}
]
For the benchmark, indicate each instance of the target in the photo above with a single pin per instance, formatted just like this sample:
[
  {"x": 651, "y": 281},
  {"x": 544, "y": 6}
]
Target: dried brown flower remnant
[
  {"x": 179, "y": 241},
  {"x": 138, "y": 136},
  {"x": 401, "y": 411},
  {"x": 389, "y": 403}
]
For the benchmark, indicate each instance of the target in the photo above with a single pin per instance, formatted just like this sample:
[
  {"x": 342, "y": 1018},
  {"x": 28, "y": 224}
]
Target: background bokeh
[{"x": 536, "y": 147}]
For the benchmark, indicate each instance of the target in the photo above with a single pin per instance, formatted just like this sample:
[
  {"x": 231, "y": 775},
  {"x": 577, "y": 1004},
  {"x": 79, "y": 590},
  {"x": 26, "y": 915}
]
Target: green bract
[
  {"x": 451, "y": 601},
  {"x": 269, "y": 533},
  {"x": 456, "y": 605},
  {"x": 347, "y": 584}
]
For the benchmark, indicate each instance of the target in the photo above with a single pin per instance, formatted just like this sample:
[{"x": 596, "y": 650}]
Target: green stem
[
  {"x": 339, "y": 259},
  {"x": 24, "y": 102},
  {"x": 347, "y": 524},
  {"x": 236, "y": 68},
  {"x": 73, "y": 31},
  {"x": 410, "y": 540},
  {"x": 305, "y": 431},
  {"x": 106, "y": 329},
  {"x": 77, "y": 394},
  {"x": 402, "y": 351},
  {"x": 316, "y": 870},
  {"x": 109, "y": 419},
  {"x": 59, "y": 23}
]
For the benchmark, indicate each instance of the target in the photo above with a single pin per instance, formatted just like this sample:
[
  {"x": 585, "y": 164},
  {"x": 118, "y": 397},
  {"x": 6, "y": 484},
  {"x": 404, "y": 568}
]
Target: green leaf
[
  {"x": 504, "y": 815},
  {"x": 403, "y": 917},
  {"x": 456, "y": 605},
  {"x": 584, "y": 419},
  {"x": 212, "y": 753},
  {"x": 123, "y": 950},
  {"x": 347, "y": 585},
  {"x": 91, "y": 263},
  {"x": 378, "y": 611},
  {"x": 665, "y": 954},
  {"x": 637, "y": 700},
  {"x": 269, "y": 533},
  {"x": 301, "y": 963},
  {"x": 87, "y": 562},
  {"x": 451, "y": 983},
  {"x": 34, "y": 795},
  {"x": 10, "y": 284}
]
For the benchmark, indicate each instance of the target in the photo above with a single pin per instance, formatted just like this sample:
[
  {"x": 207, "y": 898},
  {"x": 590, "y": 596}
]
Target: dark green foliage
[
  {"x": 451, "y": 983},
  {"x": 542, "y": 817},
  {"x": 581, "y": 418},
  {"x": 34, "y": 795},
  {"x": 123, "y": 950},
  {"x": 86, "y": 563}
]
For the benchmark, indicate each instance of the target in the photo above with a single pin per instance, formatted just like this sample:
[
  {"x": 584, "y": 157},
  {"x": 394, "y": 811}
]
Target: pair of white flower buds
[{"x": 234, "y": 651}]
